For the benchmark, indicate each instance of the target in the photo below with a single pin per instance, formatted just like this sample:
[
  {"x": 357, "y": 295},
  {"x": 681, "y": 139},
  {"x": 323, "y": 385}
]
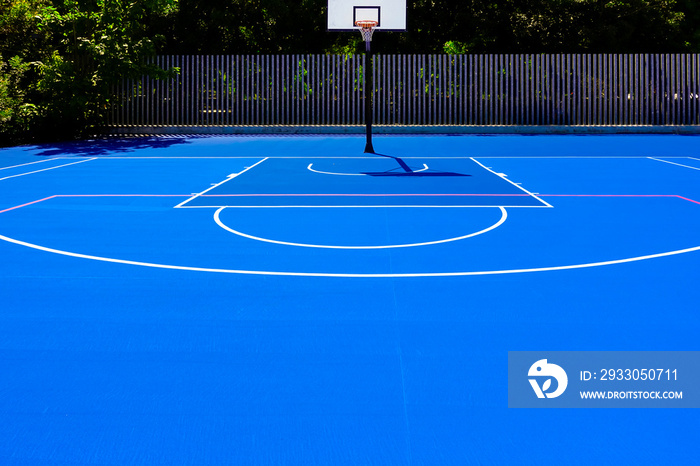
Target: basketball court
[
  {"x": 300, "y": 300},
  {"x": 294, "y": 300}
]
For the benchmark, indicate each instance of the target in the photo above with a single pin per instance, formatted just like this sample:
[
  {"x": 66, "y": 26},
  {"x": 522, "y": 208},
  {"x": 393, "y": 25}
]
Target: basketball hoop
[
  {"x": 366, "y": 15},
  {"x": 366, "y": 28}
]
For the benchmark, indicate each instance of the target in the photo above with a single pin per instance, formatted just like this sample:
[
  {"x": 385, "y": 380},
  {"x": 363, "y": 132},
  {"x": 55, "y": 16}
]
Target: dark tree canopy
[
  {"x": 58, "y": 58},
  {"x": 436, "y": 26}
]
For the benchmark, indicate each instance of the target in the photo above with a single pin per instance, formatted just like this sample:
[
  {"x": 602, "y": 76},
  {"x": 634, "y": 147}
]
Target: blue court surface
[{"x": 292, "y": 300}]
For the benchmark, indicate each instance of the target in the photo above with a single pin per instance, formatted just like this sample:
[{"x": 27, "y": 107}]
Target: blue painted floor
[{"x": 291, "y": 300}]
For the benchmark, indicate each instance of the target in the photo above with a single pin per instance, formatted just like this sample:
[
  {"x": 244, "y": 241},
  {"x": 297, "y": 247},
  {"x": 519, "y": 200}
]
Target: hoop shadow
[{"x": 407, "y": 171}]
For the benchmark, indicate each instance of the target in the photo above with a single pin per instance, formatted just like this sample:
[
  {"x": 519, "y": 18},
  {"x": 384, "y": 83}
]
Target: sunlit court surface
[{"x": 293, "y": 300}]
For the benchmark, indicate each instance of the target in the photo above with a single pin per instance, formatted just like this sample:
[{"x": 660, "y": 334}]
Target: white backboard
[{"x": 390, "y": 14}]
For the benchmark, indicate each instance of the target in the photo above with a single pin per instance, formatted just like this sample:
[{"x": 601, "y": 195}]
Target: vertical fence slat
[
  {"x": 511, "y": 89},
  {"x": 686, "y": 87},
  {"x": 488, "y": 91},
  {"x": 695, "y": 118},
  {"x": 673, "y": 89},
  {"x": 614, "y": 91},
  {"x": 665, "y": 92}
]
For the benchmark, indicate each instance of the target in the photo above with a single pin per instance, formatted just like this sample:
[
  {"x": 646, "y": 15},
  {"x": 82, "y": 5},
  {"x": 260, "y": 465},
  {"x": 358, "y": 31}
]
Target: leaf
[{"x": 546, "y": 385}]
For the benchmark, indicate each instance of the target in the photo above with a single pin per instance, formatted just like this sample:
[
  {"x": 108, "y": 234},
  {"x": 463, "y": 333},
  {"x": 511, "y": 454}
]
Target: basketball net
[{"x": 366, "y": 29}]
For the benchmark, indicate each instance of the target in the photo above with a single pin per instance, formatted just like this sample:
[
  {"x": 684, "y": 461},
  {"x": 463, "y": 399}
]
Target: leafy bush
[
  {"x": 67, "y": 55},
  {"x": 16, "y": 114}
]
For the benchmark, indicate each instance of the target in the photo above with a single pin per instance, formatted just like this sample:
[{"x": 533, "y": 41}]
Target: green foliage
[
  {"x": 546, "y": 26},
  {"x": 19, "y": 37},
  {"x": 690, "y": 26},
  {"x": 72, "y": 52},
  {"x": 19, "y": 31},
  {"x": 60, "y": 58},
  {"x": 253, "y": 26},
  {"x": 99, "y": 43},
  {"x": 455, "y": 47},
  {"x": 16, "y": 115}
]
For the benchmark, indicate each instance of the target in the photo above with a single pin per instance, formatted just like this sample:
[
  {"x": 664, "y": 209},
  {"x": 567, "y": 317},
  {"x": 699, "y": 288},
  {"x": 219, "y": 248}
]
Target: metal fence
[{"x": 506, "y": 89}]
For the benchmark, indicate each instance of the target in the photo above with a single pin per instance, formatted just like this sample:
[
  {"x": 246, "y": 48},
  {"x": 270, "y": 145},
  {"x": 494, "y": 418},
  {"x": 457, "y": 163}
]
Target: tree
[
  {"x": 252, "y": 26},
  {"x": 20, "y": 36},
  {"x": 690, "y": 27},
  {"x": 67, "y": 54},
  {"x": 558, "y": 26},
  {"x": 59, "y": 58}
]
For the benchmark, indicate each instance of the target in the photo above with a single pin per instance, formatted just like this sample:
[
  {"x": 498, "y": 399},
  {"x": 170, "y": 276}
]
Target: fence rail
[{"x": 490, "y": 90}]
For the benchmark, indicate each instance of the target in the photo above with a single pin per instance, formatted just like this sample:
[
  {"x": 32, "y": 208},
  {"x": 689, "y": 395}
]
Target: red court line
[
  {"x": 28, "y": 203},
  {"x": 620, "y": 195},
  {"x": 93, "y": 195},
  {"x": 689, "y": 200},
  {"x": 123, "y": 195},
  {"x": 610, "y": 195}
]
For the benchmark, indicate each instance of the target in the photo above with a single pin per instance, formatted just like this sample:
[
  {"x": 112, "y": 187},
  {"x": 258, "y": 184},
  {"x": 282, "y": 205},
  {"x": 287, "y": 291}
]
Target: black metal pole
[{"x": 369, "y": 92}]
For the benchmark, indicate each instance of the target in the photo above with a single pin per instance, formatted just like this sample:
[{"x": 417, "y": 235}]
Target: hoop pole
[{"x": 369, "y": 92}]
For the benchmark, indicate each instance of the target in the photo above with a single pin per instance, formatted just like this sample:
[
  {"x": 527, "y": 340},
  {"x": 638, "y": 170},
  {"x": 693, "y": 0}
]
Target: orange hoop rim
[{"x": 366, "y": 24}]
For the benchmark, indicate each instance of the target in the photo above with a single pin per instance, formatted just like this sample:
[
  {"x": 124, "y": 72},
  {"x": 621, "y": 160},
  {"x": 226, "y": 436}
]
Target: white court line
[
  {"x": 330, "y": 173},
  {"x": 545, "y": 157},
  {"x": 457, "y": 157},
  {"x": 46, "y": 169},
  {"x": 229, "y": 178},
  {"x": 332, "y": 157},
  {"x": 349, "y": 275},
  {"x": 226, "y": 157},
  {"x": 32, "y": 163},
  {"x": 674, "y": 163},
  {"x": 355, "y": 174},
  {"x": 217, "y": 219},
  {"x": 362, "y": 206},
  {"x": 500, "y": 175}
]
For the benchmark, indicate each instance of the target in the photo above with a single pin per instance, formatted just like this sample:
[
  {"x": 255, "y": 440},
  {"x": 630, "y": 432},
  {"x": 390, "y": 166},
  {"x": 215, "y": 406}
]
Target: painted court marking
[
  {"x": 56, "y": 196},
  {"x": 503, "y": 177},
  {"x": 229, "y": 178},
  {"x": 347, "y": 275},
  {"x": 674, "y": 163},
  {"x": 47, "y": 169},
  {"x": 354, "y": 174},
  {"x": 363, "y": 207},
  {"x": 32, "y": 163},
  {"x": 344, "y": 275},
  {"x": 359, "y": 196},
  {"x": 409, "y": 157},
  {"x": 218, "y": 221}
]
